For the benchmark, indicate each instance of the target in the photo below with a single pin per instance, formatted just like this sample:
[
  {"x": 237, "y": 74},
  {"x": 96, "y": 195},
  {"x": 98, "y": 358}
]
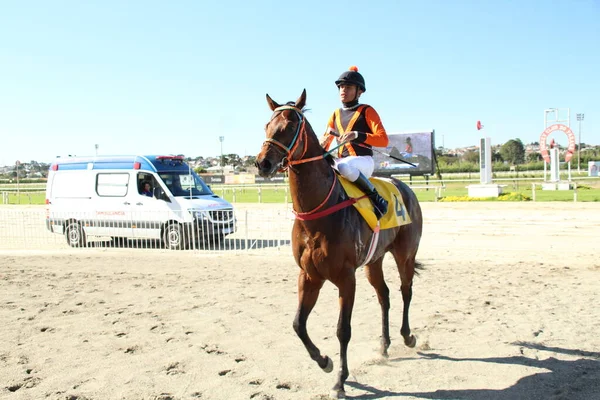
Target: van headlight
[{"x": 200, "y": 215}]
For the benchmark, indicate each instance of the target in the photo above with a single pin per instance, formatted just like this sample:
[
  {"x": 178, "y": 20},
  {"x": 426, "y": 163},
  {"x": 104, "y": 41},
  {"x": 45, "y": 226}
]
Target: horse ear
[
  {"x": 272, "y": 103},
  {"x": 301, "y": 102}
]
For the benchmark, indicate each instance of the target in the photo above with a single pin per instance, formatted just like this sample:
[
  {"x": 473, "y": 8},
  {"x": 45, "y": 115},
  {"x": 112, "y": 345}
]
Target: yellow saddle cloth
[{"x": 396, "y": 214}]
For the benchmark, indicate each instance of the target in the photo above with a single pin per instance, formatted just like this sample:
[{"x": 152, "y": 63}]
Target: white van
[{"x": 104, "y": 197}]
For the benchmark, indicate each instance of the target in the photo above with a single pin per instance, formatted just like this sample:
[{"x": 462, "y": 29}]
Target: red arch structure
[{"x": 548, "y": 131}]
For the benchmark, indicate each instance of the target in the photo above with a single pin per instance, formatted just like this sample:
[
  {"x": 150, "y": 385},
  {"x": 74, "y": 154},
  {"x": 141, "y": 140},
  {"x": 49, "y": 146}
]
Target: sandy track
[{"x": 505, "y": 309}]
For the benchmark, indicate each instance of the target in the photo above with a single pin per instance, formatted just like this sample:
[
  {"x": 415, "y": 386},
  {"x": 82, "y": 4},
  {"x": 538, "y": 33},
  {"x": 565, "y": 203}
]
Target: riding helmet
[{"x": 352, "y": 77}]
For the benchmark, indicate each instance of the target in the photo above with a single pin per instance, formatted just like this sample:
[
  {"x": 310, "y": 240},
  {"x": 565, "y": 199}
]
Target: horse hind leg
[
  {"x": 406, "y": 269},
  {"x": 308, "y": 293},
  {"x": 375, "y": 277}
]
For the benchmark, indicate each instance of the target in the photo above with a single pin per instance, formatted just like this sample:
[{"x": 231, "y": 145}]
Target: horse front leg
[
  {"x": 308, "y": 293},
  {"x": 347, "y": 290},
  {"x": 375, "y": 277}
]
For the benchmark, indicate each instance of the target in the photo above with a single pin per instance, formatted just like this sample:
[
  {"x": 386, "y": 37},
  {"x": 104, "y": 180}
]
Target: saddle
[{"x": 396, "y": 214}]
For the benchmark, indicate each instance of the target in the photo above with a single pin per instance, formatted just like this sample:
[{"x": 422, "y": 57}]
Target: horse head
[{"x": 286, "y": 136}]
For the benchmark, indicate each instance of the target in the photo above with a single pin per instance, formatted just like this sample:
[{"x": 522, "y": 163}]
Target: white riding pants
[{"x": 350, "y": 167}]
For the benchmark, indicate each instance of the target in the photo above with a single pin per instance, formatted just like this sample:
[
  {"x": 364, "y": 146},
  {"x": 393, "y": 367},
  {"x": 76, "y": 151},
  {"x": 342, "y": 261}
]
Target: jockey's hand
[
  {"x": 349, "y": 136},
  {"x": 332, "y": 132}
]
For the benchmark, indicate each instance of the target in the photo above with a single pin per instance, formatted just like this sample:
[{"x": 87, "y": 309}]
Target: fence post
[
  {"x": 246, "y": 229},
  {"x": 575, "y": 192},
  {"x": 533, "y": 191},
  {"x": 259, "y": 195}
]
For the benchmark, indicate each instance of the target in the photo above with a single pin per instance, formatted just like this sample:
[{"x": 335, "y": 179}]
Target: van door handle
[
  {"x": 126, "y": 203},
  {"x": 139, "y": 204}
]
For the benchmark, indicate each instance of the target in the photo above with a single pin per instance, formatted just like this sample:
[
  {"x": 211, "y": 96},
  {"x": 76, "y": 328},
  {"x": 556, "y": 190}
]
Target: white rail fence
[{"x": 254, "y": 227}]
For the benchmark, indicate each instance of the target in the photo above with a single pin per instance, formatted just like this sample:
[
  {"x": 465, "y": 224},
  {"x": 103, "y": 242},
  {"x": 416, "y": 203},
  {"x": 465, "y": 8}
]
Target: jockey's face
[{"x": 349, "y": 93}]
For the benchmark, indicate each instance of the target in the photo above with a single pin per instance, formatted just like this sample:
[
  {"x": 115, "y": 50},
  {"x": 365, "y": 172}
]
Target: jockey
[{"x": 360, "y": 128}]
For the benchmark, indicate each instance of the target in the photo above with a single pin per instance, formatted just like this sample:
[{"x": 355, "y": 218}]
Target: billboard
[
  {"x": 414, "y": 147},
  {"x": 241, "y": 179}
]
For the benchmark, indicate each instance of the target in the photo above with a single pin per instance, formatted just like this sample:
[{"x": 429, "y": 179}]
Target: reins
[
  {"x": 300, "y": 134},
  {"x": 301, "y": 137}
]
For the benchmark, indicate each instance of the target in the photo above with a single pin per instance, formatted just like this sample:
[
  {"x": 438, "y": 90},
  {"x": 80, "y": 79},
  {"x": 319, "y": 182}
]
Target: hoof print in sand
[
  {"x": 27, "y": 383},
  {"x": 284, "y": 385},
  {"x": 76, "y": 397},
  {"x": 212, "y": 349},
  {"x": 132, "y": 349},
  {"x": 174, "y": 369},
  {"x": 261, "y": 396},
  {"x": 164, "y": 396}
]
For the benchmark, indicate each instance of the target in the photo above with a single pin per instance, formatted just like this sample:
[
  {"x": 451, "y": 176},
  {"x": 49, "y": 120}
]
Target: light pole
[
  {"x": 579, "y": 119},
  {"x": 96, "y": 147},
  {"x": 221, "y": 139},
  {"x": 17, "y": 163}
]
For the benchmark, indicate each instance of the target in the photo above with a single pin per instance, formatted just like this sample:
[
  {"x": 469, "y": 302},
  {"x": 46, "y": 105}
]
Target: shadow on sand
[{"x": 568, "y": 380}]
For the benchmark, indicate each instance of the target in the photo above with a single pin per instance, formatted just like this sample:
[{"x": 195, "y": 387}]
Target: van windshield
[{"x": 185, "y": 184}]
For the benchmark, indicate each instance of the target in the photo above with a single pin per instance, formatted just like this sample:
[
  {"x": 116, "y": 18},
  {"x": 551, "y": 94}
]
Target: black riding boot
[{"x": 380, "y": 204}]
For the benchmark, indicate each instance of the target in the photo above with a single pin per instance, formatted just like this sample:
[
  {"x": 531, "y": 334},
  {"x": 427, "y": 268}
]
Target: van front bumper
[{"x": 215, "y": 223}]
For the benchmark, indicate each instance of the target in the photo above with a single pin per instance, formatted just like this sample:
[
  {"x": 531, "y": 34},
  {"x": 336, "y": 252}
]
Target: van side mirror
[{"x": 160, "y": 194}]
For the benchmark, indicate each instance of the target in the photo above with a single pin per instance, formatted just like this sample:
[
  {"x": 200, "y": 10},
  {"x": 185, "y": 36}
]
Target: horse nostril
[{"x": 264, "y": 165}]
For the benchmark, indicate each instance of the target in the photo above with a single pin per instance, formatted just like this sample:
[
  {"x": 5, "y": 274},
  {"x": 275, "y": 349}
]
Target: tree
[
  {"x": 234, "y": 160},
  {"x": 250, "y": 160},
  {"x": 513, "y": 151},
  {"x": 534, "y": 156},
  {"x": 471, "y": 156}
]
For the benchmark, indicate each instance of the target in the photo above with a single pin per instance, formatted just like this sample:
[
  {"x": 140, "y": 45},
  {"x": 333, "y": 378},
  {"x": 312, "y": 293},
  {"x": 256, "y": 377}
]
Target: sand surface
[{"x": 506, "y": 308}]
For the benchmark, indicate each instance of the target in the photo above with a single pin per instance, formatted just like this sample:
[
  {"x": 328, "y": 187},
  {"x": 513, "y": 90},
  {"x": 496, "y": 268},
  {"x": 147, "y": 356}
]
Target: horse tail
[
  {"x": 415, "y": 229},
  {"x": 419, "y": 266}
]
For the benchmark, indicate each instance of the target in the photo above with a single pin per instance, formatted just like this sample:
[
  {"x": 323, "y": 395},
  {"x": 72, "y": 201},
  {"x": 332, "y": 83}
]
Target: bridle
[
  {"x": 300, "y": 139},
  {"x": 287, "y": 162}
]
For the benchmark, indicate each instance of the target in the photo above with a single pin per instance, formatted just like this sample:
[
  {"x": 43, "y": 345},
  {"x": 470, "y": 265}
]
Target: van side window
[
  {"x": 112, "y": 185},
  {"x": 143, "y": 180}
]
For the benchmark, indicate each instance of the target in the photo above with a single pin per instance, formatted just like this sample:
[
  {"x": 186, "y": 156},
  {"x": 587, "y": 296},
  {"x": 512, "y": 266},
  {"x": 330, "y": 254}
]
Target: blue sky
[{"x": 151, "y": 77}]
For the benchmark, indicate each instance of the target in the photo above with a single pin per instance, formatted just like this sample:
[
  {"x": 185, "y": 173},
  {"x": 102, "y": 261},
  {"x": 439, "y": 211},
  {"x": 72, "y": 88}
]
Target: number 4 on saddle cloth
[{"x": 396, "y": 214}]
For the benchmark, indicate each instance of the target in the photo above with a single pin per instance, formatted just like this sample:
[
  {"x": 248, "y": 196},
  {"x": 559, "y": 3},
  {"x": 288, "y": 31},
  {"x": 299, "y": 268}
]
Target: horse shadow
[{"x": 573, "y": 380}]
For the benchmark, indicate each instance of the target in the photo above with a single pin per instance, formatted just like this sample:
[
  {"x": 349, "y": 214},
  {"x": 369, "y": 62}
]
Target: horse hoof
[
  {"x": 329, "y": 367},
  {"x": 337, "y": 394},
  {"x": 411, "y": 341}
]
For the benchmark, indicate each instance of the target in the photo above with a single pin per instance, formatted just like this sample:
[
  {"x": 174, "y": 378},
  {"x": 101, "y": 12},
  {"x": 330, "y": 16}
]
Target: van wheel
[
  {"x": 75, "y": 235},
  {"x": 173, "y": 237}
]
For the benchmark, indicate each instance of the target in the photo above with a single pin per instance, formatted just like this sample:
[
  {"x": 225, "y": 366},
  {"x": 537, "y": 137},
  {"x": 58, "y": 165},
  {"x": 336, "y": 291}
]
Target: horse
[{"x": 330, "y": 246}]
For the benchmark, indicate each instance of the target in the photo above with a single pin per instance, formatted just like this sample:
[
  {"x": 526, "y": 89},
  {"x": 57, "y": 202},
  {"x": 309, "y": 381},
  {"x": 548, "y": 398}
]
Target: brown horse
[{"x": 331, "y": 247}]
